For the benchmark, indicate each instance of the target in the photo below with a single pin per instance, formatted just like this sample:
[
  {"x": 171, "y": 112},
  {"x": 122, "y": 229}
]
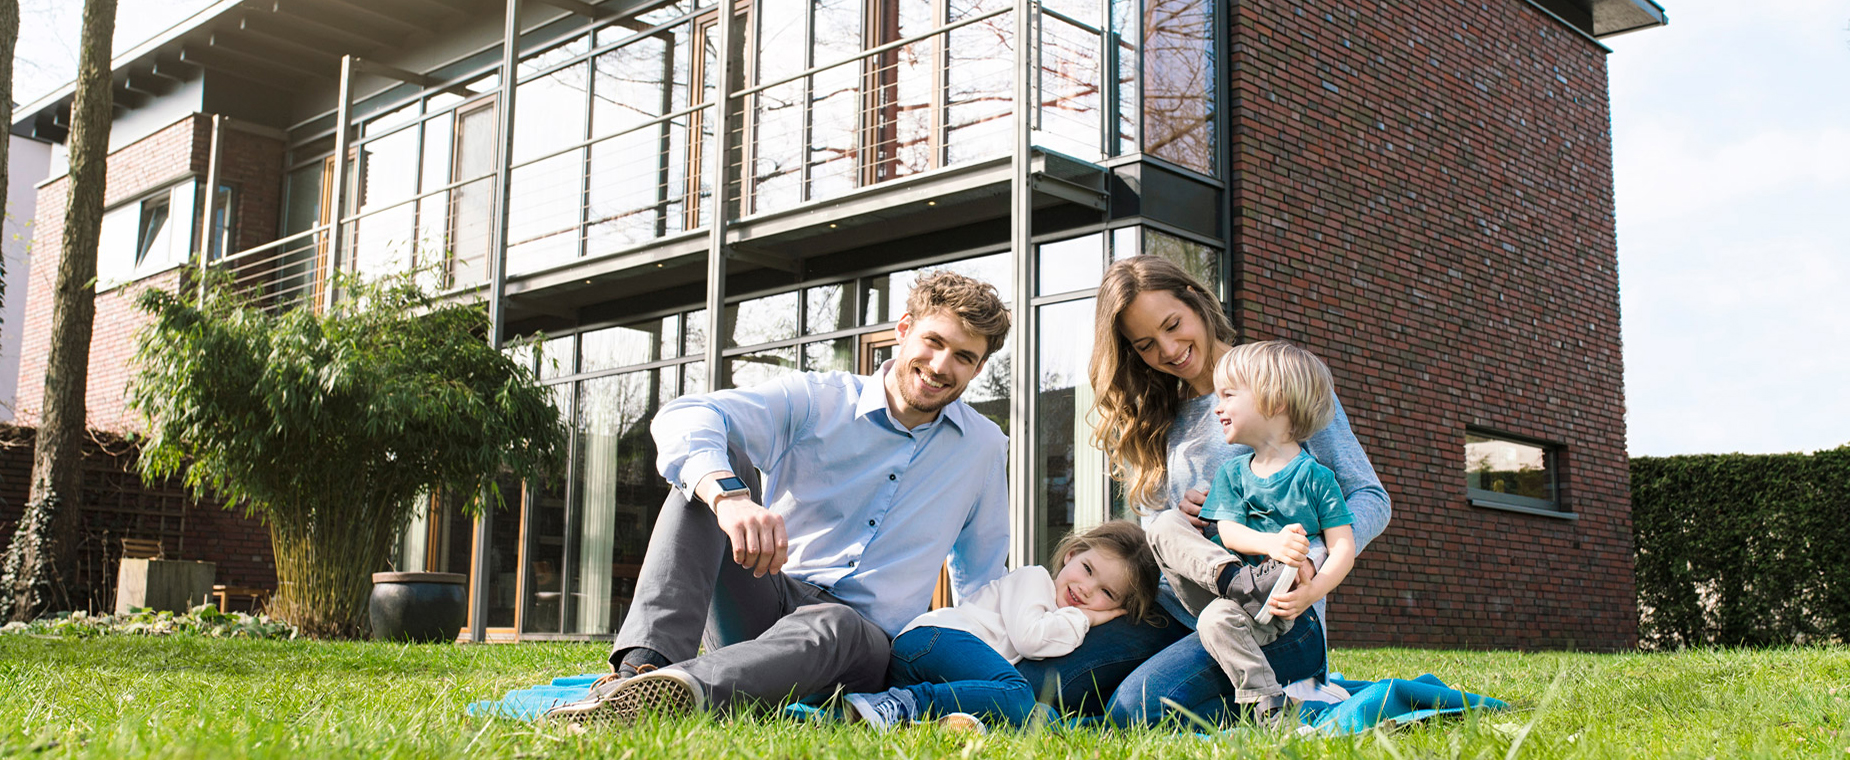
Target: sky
[{"x": 1731, "y": 153}]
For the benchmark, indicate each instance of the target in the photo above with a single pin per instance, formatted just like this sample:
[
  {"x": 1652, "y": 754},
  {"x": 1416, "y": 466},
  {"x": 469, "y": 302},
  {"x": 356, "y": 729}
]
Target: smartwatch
[{"x": 731, "y": 485}]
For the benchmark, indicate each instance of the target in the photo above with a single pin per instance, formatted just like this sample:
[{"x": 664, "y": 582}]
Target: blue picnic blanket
[
  {"x": 1371, "y": 703},
  {"x": 1392, "y": 701}
]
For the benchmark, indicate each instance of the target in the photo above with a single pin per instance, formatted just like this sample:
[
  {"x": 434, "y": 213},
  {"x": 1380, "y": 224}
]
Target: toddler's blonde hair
[{"x": 1284, "y": 379}]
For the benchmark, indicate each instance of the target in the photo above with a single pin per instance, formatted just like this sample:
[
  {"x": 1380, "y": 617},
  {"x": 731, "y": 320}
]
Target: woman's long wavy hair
[{"x": 1134, "y": 403}]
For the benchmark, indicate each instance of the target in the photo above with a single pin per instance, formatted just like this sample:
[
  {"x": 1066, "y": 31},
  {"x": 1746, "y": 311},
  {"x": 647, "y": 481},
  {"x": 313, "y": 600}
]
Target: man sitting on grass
[{"x": 871, "y": 482}]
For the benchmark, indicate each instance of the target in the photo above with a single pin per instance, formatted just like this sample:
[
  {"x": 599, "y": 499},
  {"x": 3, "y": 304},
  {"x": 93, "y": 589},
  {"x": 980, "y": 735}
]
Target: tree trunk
[
  {"x": 41, "y": 562},
  {"x": 9, "y": 37}
]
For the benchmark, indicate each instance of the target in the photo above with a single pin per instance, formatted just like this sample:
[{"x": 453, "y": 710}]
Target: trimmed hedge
[{"x": 1739, "y": 549}]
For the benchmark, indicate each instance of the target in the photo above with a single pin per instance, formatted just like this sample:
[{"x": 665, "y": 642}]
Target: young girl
[{"x": 962, "y": 659}]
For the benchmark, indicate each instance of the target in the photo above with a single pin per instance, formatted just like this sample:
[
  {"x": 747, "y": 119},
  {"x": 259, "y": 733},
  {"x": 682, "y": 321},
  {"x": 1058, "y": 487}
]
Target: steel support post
[
  {"x": 204, "y": 249},
  {"x": 1024, "y": 532},
  {"x": 497, "y": 292},
  {"x": 723, "y": 148},
  {"x": 337, "y": 195}
]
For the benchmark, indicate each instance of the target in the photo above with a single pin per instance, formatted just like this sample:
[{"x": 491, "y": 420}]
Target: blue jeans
[
  {"x": 1125, "y": 670},
  {"x": 948, "y": 671}
]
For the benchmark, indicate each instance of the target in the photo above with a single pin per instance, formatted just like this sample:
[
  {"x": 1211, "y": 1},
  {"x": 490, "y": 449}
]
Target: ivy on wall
[{"x": 1740, "y": 549}]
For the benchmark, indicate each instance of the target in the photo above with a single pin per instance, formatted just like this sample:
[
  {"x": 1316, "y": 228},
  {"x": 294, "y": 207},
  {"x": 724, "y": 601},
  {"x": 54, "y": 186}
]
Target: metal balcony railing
[{"x": 938, "y": 99}]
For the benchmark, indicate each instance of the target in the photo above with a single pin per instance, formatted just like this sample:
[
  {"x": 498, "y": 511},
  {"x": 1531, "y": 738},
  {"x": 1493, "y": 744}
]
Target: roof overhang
[
  {"x": 289, "y": 45},
  {"x": 1616, "y": 17}
]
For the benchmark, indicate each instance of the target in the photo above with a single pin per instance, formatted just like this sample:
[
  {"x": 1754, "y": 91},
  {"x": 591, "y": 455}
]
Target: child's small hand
[
  {"x": 1290, "y": 545},
  {"x": 1101, "y": 617}
]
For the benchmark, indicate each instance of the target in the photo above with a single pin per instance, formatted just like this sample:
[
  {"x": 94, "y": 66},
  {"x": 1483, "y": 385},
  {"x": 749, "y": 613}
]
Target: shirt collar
[{"x": 873, "y": 398}]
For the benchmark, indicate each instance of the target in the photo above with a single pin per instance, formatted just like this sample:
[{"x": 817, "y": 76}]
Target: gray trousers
[
  {"x": 1192, "y": 562},
  {"x": 768, "y": 639}
]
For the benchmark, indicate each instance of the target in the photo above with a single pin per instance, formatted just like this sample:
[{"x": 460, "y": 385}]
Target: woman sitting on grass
[{"x": 952, "y": 662}]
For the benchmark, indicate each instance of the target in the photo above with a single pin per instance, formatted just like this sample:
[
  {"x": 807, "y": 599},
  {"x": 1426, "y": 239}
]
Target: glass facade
[{"x": 616, "y": 148}]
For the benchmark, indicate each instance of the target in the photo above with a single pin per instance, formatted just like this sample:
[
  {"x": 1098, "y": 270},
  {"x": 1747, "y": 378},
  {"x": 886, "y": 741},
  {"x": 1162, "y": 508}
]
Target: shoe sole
[
  {"x": 963, "y": 723},
  {"x": 640, "y": 698}
]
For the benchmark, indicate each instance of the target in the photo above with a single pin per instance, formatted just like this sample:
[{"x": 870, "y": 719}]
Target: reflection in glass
[
  {"x": 989, "y": 392},
  {"x": 472, "y": 204},
  {"x": 618, "y": 496},
  {"x": 635, "y": 188},
  {"x": 1202, "y": 261},
  {"x": 829, "y": 355},
  {"x": 1071, "y": 264},
  {"x": 762, "y": 320},
  {"x": 980, "y": 80},
  {"x": 503, "y": 553},
  {"x": 545, "y": 528},
  {"x": 615, "y": 347},
  {"x": 694, "y": 324},
  {"x": 758, "y": 367},
  {"x": 1069, "y": 477},
  {"x": 1070, "y": 97},
  {"x": 543, "y": 213},
  {"x": 835, "y": 97},
  {"x": 1508, "y": 471},
  {"x": 549, "y": 112},
  {"x": 382, "y": 241},
  {"x": 886, "y": 294},
  {"x": 1178, "y": 82},
  {"x": 1125, "y": 18},
  {"x": 827, "y": 308},
  {"x": 777, "y": 113},
  {"x": 556, "y": 357}
]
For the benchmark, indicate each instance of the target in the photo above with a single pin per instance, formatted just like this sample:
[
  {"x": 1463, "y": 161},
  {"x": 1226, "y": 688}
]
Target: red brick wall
[
  {"x": 117, "y": 504},
  {"x": 1423, "y": 195},
  {"x": 253, "y": 163}
]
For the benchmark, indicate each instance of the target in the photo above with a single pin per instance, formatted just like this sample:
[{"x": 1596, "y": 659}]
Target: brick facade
[
  {"x": 1423, "y": 195},
  {"x": 252, "y": 163},
  {"x": 116, "y": 505}
]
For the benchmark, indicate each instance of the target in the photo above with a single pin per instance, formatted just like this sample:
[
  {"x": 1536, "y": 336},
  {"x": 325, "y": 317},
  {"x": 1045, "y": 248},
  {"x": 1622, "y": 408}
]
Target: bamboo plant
[{"x": 327, "y": 424}]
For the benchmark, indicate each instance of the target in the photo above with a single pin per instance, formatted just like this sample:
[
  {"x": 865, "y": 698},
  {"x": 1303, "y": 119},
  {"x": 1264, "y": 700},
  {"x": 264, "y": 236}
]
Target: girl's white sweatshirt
[{"x": 1016, "y": 615}]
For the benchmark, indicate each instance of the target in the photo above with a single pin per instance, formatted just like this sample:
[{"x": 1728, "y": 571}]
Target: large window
[{"x": 1505, "y": 472}]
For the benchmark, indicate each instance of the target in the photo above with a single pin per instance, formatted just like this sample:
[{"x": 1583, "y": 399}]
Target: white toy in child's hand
[{"x": 1278, "y": 590}]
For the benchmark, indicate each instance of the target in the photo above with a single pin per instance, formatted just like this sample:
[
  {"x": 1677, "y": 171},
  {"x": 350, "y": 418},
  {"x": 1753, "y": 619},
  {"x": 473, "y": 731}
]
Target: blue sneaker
[{"x": 884, "y": 710}]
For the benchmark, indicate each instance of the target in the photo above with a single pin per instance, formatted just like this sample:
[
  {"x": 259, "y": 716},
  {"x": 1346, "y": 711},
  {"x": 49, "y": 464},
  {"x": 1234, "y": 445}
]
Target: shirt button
[
  {"x": 892, "y": 476},
  {"x": 870, "y": 523}
]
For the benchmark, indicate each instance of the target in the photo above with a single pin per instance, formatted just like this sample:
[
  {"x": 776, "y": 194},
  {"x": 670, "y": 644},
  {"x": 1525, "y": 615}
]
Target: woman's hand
[
  {"x": 1101, "y": 617},
  {"x": 1192, "y": 500},
  {"x": 1289, "y": 546}
]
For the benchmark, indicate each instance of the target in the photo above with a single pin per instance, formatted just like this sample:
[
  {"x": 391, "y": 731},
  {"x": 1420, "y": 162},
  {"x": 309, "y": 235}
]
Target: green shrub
[{"x": 1739, "y": 549}]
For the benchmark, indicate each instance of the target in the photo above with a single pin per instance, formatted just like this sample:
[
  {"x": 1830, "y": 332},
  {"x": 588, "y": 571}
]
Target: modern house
[{"x": 682, "y": 199}]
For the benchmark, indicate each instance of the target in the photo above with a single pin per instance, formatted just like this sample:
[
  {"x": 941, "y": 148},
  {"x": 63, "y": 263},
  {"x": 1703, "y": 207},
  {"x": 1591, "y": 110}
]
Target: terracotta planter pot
[{"x": 426, "y": 607}]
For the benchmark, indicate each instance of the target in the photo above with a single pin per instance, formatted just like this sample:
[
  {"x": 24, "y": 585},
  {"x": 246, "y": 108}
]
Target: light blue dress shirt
[{"x": 871, "y": 508}]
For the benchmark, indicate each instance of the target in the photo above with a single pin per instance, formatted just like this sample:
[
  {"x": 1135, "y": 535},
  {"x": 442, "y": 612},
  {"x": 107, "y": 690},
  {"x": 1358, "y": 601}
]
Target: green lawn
[{"x": 189, "y": 696}]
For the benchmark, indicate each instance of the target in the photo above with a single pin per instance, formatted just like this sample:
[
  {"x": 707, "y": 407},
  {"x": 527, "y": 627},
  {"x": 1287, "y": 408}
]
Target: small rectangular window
[
  {"x": 153, "y": 230},
  {"x": 1505, "y": 472},
  {"x": 224, "y": 223}
]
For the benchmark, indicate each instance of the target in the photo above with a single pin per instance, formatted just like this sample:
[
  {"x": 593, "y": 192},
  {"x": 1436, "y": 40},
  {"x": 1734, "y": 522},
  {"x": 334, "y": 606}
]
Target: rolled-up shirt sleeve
[
  {"x": 1337, "y": 448},
  {"x": 693, "y": 433},
  {"x": 980, "y": 554}
]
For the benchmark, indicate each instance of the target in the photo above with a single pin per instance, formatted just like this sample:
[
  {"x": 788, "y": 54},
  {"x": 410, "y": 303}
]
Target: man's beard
[{"x": 907, "y": 389}]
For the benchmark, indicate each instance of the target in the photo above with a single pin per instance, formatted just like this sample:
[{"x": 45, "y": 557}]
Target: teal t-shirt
[{"x": 1305, "y": 492}]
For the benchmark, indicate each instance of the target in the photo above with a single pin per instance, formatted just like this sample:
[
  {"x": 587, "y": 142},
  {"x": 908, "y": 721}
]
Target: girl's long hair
[{"x": 1133, "y": 402}]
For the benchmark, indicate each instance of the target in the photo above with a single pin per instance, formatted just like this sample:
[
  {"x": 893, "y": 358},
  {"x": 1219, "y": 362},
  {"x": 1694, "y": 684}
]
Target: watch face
[{"x": 733, "y": 484}]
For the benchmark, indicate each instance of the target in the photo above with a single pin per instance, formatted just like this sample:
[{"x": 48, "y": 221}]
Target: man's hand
[
  {"x": 759, "y": 543},
  {"x": 1192, "y": 500},
  {"x": 1098, "y": 618},
  {"x": 1290, "y": 545}
]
